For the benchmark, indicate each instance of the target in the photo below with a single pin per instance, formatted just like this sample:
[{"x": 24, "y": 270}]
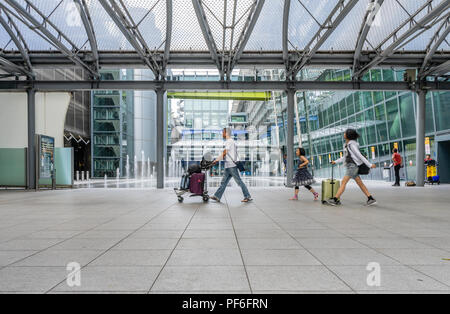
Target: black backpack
[{"x": 194, "y": 169}]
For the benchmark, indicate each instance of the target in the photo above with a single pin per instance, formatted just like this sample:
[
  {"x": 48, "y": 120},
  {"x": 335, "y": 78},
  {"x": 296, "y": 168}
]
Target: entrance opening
[
  {"x": 258, "y": 122},
  {"x": 444, "y": 161}
]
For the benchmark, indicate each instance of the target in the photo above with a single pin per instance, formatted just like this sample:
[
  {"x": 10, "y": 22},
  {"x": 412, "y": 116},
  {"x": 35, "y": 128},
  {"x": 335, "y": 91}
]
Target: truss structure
[{"x": 226, "y": 28}]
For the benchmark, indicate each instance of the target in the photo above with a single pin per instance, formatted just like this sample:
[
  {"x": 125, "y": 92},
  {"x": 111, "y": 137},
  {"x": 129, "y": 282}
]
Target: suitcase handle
[{"x": 332, "y": 174}]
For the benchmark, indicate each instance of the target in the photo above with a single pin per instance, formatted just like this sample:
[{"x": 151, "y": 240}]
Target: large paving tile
[
  {"x": 164, "y": 226},
  {"x": 437, "y": 242},
  {"x": 28, "y": 244},
  {"x": 104, "y": 234},
  {"x": 440, "y": 273},
  {"x": 330, "y": 243},
  {"x": 206, "y": 257},
  {"x": 351, "y": 257},
  {"x": 213, "y": 226},
  {"x": 133, "y": 258},
  {"x": 225, "y": 243},
  {"x": 9, "y": 257},
  {"x": 147, "y": 244},
  {"x": 393, "y": 278},
  {"x": 287, "y": 244},
  {"x": 315, "y": 233},
  {"x": 86, "y": 244},
  {"x": 367, "y": 233},
  {"x": 418, "y": 256},
  {"x": 279, "y": 258},
  {"x": 261, "y": 234},
  {"x": 57, "y": 258},
  {"x": 116, "y": 279},
  {"x": 30, "y": 279},
  {"x": 157, "y": 234},
  {"x": 209, "y": 234},
  {"x": 391, "y": 243},
  {"x": 52, "y": 234},
  {"x": 203, "y": 278},
  {"x": 294, "y": 278}
]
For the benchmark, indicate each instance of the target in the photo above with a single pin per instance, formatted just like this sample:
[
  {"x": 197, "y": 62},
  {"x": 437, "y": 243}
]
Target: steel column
[
  {"x": 420, "y": 138},
  {"x": 160, "y": 137},
  {"x": 291, "y": 93},
  {"x": 31, "y": 151}
]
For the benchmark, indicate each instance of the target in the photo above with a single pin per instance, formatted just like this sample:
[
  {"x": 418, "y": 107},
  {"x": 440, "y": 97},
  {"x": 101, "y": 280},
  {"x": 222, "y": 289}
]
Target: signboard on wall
[
  {"x": 238, "y": 118},
  {"x": 46, "y": 153}
]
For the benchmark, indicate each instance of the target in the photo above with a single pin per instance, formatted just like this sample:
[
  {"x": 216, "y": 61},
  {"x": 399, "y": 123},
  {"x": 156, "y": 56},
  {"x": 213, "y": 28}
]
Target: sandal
[{"x": 316, "y": 197}]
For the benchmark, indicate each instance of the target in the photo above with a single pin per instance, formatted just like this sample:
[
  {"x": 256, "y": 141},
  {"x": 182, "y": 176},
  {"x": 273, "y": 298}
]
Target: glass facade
[
  {"x": 112, "y": 127},
  {"x": 383, "y": 119}
]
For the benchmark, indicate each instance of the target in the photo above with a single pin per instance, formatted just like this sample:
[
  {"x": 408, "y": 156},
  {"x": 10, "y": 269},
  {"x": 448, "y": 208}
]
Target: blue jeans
[{"x": 232, "y": 173}]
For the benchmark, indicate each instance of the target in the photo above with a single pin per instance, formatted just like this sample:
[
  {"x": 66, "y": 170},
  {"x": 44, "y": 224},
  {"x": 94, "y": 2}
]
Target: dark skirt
[{"x": 303, "y": 177}]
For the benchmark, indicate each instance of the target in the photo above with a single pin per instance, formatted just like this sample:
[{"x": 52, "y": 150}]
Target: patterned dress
[{"x": 303, "y": 177}]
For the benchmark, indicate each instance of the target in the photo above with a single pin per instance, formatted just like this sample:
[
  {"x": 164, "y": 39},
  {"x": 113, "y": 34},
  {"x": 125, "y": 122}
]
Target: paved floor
[{"x": 143, "y": 241}]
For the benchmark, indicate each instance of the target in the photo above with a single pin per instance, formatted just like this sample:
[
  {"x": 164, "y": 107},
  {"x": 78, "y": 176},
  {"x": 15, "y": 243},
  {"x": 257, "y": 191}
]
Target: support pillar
[
  {"x": 31, "y": 151},
  {"x": 160, "y": 138},
  {"x": 290, "y": 136},
  {"x": 420, "y": 138}
]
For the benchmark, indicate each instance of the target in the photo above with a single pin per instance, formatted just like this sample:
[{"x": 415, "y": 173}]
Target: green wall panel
[
  {"x": 13, "y": 167},
  {"x": 63, "y": 166}
]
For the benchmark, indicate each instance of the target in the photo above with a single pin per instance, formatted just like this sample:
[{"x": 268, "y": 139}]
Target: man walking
[
  {"x": 397, "y": 160},
  {"x": 230, "y": 155}
]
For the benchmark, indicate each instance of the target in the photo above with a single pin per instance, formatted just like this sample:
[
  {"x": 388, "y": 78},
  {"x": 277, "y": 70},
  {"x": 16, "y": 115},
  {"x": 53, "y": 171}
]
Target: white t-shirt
[{"x": 230, "y": 146}]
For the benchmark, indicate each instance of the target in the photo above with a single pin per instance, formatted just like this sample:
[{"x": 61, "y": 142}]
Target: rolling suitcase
[
  {"x": 197, "y": 183},
  {"x": 330, "y": 187}
]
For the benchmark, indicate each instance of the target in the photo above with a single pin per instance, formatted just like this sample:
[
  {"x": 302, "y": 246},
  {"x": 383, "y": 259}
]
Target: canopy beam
[
  {"x": 24, "y": 15},
  {"x": 429, "y": 20},
  {"x": 246, "y": 33},
  {"x": 12, "y": 30},
  {"x": 438, "y": 38},
  {"x": 131, "y": 33},
  {"x": 337, "y": 15},
  {"x": 207, "y": 35},
  {"x": 169, "y": 31},
  {"x": 90, "y": 32},
  {"x": 371, "y": 14}
]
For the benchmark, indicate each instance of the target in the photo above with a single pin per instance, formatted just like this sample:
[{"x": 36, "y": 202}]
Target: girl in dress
[{"x": 303, "y": 177}]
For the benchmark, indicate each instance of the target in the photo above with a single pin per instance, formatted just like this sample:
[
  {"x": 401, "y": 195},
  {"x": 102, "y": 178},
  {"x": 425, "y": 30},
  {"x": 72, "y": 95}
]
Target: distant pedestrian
[
  {"x": 352, "y": 159},
  {"x": 303, "y": 177},
  {"x": 397, "y": 162},
  {"x": 231, "y": 157}
]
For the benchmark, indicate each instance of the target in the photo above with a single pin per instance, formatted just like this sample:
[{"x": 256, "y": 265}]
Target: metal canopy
[{"x": 229, "y": 34}]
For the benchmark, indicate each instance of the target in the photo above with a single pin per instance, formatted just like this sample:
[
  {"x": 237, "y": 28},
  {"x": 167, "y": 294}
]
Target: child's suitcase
[
  {"x": 330, "y": 187},
  {"x": 197, "y": 183}
]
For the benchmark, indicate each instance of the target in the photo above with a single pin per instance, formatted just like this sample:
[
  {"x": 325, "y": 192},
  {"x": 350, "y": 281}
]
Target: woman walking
[
  {"x": 352, "y": 160},
  {"x": 303, "y": 177}
]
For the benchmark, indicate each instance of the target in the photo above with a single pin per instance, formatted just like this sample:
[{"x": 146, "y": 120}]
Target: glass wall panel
[
  {"x": 407, "y": 115},
  {"x": 393, "y": 117},
  {"x": 442, "y": 110},
  {"x": 380, "y": 120}
]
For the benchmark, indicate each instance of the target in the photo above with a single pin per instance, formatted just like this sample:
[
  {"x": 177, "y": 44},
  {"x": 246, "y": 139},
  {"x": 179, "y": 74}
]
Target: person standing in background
[{"x": 397, "y": 161}]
